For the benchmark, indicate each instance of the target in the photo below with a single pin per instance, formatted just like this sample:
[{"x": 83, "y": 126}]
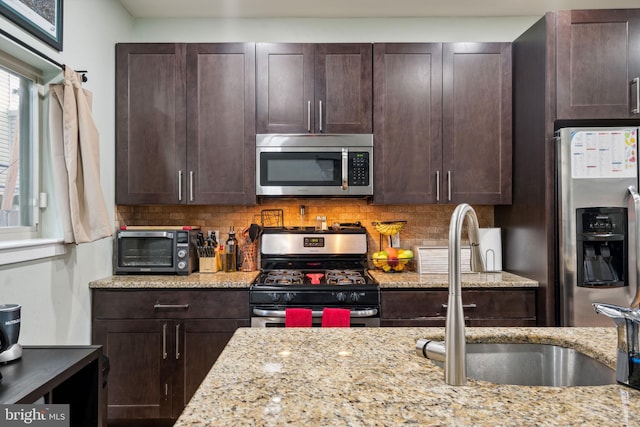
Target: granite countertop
[
  {"x": 469, "y": 280},
  {"x": 239, "y": 279},
  {"x": 373, "y": 377},
  {"x": 242, "y": 279}
]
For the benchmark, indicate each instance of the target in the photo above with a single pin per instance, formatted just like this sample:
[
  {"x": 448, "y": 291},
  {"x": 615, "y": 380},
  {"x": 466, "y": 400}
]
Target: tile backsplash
[{"x": 426, "y": 224}]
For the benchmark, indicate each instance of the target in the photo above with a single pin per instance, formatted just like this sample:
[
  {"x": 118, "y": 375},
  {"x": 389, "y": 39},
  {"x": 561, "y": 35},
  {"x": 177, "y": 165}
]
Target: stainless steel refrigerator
[{"x": 597, "y": 199}]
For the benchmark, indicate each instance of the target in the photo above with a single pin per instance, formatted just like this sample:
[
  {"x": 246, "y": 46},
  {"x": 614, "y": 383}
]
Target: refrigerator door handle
[{"x": 634, "y": 209}]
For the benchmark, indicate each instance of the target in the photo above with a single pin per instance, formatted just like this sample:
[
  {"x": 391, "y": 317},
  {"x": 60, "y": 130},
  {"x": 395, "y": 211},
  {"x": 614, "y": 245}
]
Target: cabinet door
[
  {"x": 221, "y": 123},
  {"x": 150, "y": 123},
  {"x": 408, "y": 122},
  {"x": 343, "y": 88},
  {"x": 477, "y": 140},
  {"x": 482, "y": 307},
  {"x": 199, "y": 344},
  {"x": 139, "y": 380},
  {"x": 598, "y": 57},
  {"x": 285, "y": 100}
]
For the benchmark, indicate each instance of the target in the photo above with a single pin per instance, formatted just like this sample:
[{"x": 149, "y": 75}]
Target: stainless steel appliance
[
  {"x": 597, "y": 176},
  {"x": 10, "y": 320},
  {"x": 628, "y": 353},
  {"x": 155, "y": 250},
  {"x": 306, "y": 268},
  {"x": 314, "y": 165}
]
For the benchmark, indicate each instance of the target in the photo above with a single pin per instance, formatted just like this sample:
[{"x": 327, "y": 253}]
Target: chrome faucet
[{"x": 455, "y": 364}]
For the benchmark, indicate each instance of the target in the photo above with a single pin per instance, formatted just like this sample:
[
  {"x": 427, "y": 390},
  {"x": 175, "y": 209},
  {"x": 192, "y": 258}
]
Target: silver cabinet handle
[
  {"x": 472, "y": 305},
  {"x": 309, "y": 116},
  {"x": 634, "y": 216},
  {"x": 320, "y": 116},
  {"x": 437, "y": 186},
  {"x": 180, "y": 185},
  {"x": 636, "y": 82},
  {"x": 178, "y": 341},
  {"x": 164, "y": 341},
  {"x": 345, "y": 169},
  {"x": 448, "y": 186},
  {"x": 159, "y": 306},
  {"x": 191, "y": 186}
]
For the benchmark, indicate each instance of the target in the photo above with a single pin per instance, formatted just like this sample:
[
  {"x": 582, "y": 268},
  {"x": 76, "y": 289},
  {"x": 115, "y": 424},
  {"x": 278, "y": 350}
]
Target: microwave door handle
[
  {"x": 345, "y": 169},
  {"x": 634, "y": 210}
]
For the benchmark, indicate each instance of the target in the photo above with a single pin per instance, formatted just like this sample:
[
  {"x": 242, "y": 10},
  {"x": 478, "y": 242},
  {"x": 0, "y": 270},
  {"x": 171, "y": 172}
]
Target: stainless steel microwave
[
  {"x": 314, "y": 165},
  {"x": 155, "y": 251}
]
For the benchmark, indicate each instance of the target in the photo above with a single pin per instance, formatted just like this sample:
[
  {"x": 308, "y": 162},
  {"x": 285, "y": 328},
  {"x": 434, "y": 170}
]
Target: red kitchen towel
[
  {"x": 298, "y": 318},
  {"x": 336, "y": 318}
]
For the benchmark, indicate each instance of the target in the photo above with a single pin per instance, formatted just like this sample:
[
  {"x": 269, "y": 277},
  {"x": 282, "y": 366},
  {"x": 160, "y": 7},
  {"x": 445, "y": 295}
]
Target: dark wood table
[{"x": 59, "y": 374}]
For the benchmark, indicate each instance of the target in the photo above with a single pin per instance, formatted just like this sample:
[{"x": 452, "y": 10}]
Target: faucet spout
[{"x": 455, "y": 371}]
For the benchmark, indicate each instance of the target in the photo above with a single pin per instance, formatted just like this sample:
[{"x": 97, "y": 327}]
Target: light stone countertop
[
  {"x": 243, "y": 279},
  {"x": 469, "y": 280},
  {"x": 373, "y": 377},
  {"x": 239, "y": 279}
]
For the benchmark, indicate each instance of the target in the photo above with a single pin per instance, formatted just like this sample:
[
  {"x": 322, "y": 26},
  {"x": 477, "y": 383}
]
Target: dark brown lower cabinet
[
  {"x": 161, "y": 344},
  {"x": 482, "y": 307}
]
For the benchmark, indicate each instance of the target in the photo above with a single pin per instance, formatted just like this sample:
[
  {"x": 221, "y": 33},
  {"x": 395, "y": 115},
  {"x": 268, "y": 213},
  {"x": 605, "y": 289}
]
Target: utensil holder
[
  {"x": 208, "y": 265},
  {"x": 249, "y": 257}
]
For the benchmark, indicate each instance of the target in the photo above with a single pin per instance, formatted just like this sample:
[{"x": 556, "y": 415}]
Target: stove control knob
[
  {"x": 289, "y": 296},
  {"x": 274, "y": 297},
  {"x": 341, "y": 296},
  {"x": 354, "y": 297},
  {"x": 182, "y": 253}
]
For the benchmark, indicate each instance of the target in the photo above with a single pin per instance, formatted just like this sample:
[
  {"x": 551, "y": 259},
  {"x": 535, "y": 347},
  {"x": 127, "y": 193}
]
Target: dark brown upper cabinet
[
  {"x": 221, "y": 123},
  {"x": 151, "y": 120},
  {"x": 442, "y": 123},
  {"x": 185, "y": 123},
  {"x": 314, "y": 88},
  {"x": 477, "y": 112},
  {"x": 408, "y": 121},
  {"x": 598, "y": 64}
]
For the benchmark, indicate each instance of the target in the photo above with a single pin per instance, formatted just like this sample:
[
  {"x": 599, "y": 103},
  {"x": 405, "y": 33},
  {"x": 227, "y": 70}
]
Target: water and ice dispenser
[{"x": 601, "y": 246}]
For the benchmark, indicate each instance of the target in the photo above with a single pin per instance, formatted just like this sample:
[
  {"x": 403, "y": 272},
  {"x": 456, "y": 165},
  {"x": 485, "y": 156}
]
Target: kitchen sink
[{"x": 535, "y": 365}]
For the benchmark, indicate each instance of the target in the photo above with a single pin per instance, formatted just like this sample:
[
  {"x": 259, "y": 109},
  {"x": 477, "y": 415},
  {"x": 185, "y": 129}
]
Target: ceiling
[{"x": 357, "y": 8}]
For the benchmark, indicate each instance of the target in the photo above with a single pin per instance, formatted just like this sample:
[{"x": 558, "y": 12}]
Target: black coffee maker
[{"x": 9, "y": 331}]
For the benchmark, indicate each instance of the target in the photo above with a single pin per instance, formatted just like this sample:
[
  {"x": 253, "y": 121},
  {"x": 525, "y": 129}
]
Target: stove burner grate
[
  {"x": 284, "y": 277},
  {"x": 344, "y": 277}
]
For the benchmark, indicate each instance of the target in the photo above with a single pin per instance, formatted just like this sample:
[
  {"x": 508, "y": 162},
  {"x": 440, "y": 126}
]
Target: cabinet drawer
[
  {"x": 178, "y": 304},
  {"x": 478, "y": 304}
]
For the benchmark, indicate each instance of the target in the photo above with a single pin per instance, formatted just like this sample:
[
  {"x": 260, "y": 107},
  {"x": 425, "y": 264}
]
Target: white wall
[
  {"x": 333, "y": 30},
  {"x": 54, "y": 292}
]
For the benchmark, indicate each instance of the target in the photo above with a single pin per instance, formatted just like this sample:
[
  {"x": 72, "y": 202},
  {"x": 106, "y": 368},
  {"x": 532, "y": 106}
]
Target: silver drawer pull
[
  {"x": 445, "y": 306},
  {"x": 158, "y": 306}
]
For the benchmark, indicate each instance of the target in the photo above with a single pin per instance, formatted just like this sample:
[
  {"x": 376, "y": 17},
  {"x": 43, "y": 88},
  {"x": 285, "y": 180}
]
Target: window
[{"x": 19, "y": 150}]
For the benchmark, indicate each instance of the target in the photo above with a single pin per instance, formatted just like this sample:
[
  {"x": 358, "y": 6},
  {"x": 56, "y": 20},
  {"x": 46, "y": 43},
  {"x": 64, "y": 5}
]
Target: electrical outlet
[
  {"x": 217, "y": 234},
  {"x": 395, "y": 240}
]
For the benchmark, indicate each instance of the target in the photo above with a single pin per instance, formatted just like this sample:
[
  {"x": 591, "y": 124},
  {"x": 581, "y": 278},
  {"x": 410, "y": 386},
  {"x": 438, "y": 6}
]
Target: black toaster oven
[{"x": 155, "y": 251}]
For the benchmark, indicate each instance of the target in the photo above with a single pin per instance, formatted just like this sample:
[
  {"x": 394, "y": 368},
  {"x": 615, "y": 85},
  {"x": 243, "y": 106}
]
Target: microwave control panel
[{"x": 359, "y": 168}]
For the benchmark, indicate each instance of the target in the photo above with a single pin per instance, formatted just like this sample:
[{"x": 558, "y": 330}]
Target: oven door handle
[{"x": 369, "y": 312}]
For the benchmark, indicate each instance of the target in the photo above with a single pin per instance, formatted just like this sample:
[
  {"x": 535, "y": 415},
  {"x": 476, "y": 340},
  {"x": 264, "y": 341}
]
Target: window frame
[
  {"x": 36, "y": 124},
  {"x": 26, "y": 243}
]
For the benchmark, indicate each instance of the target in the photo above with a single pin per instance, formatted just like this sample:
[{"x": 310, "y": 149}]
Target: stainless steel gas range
[{"x": 316, "y": 269}]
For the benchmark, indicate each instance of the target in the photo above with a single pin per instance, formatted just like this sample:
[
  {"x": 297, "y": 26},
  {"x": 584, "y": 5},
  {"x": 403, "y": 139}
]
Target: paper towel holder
[{"x": 491, "y": 248}]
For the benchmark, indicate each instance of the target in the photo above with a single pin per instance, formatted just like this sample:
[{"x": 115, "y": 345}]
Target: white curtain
[{"x": 75, "y": 147}]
